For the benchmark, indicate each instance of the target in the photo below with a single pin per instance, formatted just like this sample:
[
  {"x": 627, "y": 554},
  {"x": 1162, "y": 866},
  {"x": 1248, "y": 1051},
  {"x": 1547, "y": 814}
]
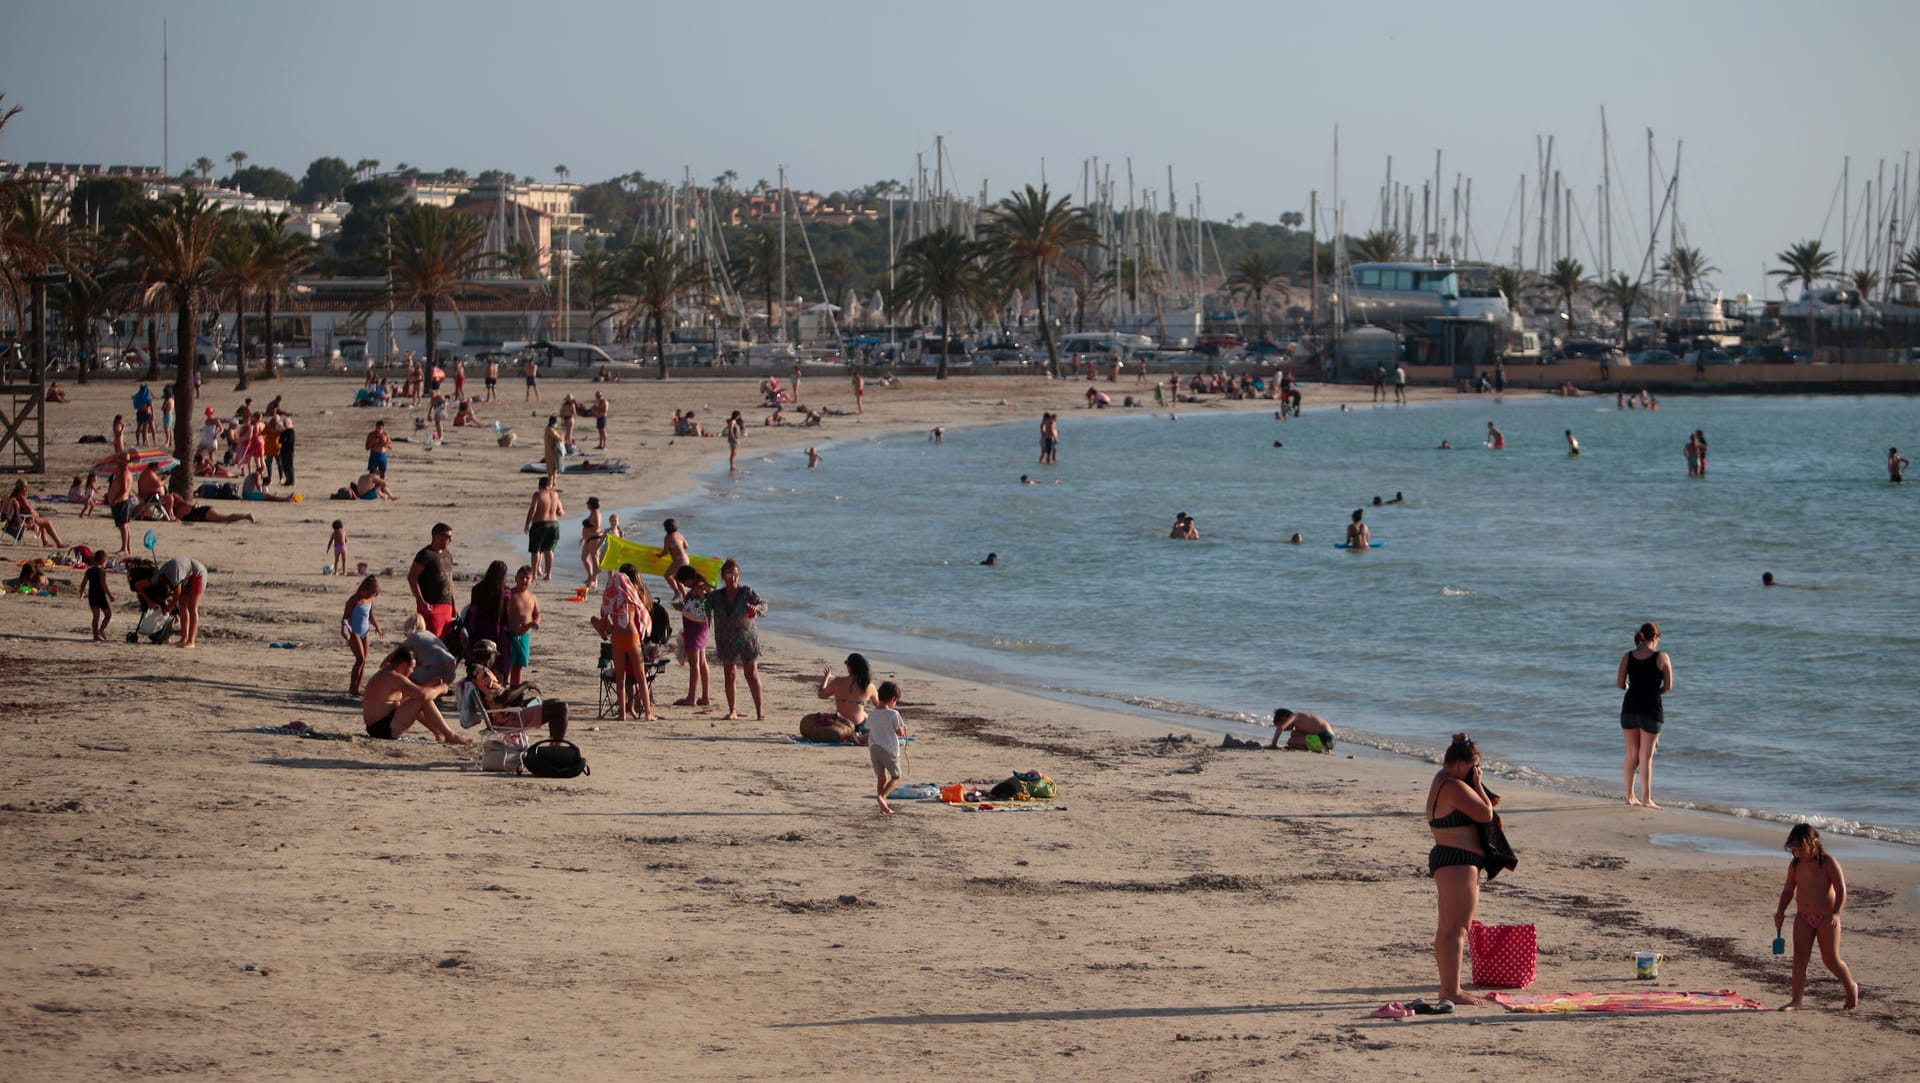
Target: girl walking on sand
[
  {"x": 355, "y": 622},
  {"x": 1819, "y": 889}
]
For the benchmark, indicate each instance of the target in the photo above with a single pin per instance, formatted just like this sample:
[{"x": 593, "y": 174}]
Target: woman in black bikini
[
  {"x": 1456, "y": 802},
  {"x": 1646, "y": 675}
]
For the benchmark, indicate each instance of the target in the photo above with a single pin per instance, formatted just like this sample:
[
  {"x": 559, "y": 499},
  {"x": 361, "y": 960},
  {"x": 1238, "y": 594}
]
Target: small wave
[{"x": 1455, "y": 592}]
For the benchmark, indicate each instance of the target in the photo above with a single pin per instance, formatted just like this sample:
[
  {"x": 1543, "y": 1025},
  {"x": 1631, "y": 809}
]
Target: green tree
[
  {"x": 1866, "y": 282},
  {"x": 1807, "y": 262},
  {"x": 1511, "y": 282},
  {"x": 943, "y": 268},
  {"x": 1907, "y": 271},
  {"x": 238, "y": 158},
  {"x": 1028, "y": 235},
  {"x": 757, "y": 262},
  {"x": 236, "y": 273},
  {"x": 1687, "y": 267},
  {"x": 1379, "y": 246},
  {"x": 84, "y": 301},
  {"x": 659, "y": 276},
  {"x": 1566, "y": 278},
  {"x": 364, "y": 167},
  {"x": 1621, "y": 293},
  {"x": 32, "y": 236},
  {"x": 205, "y": 166},
  {"x": 171, "y": 251},
  {"x": 1253, "y": 277},
  {"x": 434, "y": 252},
  {"x": 598, "y": 284},
  {"x": 265, "y": 182},
  {"x": 1292, "y": 219},
  {"x": 284, "y": 257},
  {"x": 326, "y": 179}
]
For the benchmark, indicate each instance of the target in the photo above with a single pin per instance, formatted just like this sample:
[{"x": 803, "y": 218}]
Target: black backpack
[{"x": 554, "y": 758}]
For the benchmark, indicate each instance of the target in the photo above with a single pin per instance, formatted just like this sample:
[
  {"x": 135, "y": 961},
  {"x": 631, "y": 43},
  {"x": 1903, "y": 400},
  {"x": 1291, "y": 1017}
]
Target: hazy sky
[{"x": 1239, "y": 97}]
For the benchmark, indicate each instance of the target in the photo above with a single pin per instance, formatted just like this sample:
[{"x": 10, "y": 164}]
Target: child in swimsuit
[
  {"x": 337, "y": 545},
  {"x": 1819, "y": 889},
  {"x": 355, "y": 622}
]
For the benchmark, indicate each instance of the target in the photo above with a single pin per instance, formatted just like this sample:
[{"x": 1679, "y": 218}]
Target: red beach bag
[{"x": 1504, "y": 956}]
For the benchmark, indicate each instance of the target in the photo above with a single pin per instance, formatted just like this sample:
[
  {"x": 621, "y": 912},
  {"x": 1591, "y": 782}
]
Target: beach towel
[
  {"x": 301, "y": 729},
  {"x": 1023, "y": 807},
  {"x": 1653, "y": 1000},
  {"x": 803, "y": 742}
]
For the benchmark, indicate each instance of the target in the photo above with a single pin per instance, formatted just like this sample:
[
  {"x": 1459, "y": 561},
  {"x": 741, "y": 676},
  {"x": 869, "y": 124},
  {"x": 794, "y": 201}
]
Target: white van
[{"x": 582, "y": 354}]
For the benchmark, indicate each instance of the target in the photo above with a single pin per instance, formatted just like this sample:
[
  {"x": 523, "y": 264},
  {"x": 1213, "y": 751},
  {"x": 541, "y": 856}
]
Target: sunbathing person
[
  {"x": 497, "y": 695},
  {"x": 392, "y": 703},
  {"x": 368, "y": 486},
  {"x": 255, "y": 488},
  {"x": 206, "y": 466},
  {"x": 186, "y": 511},
  {"x": 19, "y": 514}
]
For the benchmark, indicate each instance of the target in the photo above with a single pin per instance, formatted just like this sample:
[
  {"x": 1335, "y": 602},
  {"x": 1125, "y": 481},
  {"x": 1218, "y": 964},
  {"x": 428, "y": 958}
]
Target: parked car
[
  {"x": 1655, "y": 357},
  {"x": 1714, "y": 356}
]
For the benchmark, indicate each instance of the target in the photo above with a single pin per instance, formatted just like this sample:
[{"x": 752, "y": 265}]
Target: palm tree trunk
[
  {"x": 946, "y": 342},
  {"x": 184, "y": 362},
  {"x": 433, "y": 325},
  {"x": 660, "y": 339},
  {"x": 266, "y": 362},
  {"x": 240, "y": 340},
  {"x": 1046, "y": 324},
  {"x": 153, "y": 349}
]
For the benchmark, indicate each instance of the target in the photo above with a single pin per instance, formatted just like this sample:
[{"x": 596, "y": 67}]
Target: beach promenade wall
[{"x": 1861, "y": 378}]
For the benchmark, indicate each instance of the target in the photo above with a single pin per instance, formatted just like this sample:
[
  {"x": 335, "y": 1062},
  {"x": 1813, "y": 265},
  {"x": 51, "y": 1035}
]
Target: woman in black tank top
[{"x": 1646, "y": 675}]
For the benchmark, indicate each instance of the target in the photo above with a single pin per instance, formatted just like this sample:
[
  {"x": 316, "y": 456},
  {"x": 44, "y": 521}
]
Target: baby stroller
[
  {"x": 156, "y": 623},
  {"x": 655, "y": 651}
]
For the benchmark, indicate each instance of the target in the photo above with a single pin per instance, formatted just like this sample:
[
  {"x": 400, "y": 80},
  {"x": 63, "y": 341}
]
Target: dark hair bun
[{"x": 1460, "y": 738}]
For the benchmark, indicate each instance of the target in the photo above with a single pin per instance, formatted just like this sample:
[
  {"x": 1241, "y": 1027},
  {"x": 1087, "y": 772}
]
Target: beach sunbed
[{"x": 503, "y": 729}]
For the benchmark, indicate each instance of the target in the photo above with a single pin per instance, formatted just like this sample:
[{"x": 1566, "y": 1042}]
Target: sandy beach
[{"x": 187, "y": 896}]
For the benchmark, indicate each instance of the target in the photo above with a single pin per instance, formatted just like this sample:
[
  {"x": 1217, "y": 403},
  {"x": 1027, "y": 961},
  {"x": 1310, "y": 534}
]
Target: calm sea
[{"x": 1509, "y": 585}]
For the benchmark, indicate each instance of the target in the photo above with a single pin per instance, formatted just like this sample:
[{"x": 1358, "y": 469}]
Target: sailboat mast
[
  {"x": 1606, "y": 201},
  {"x": 782, "y": 336}
]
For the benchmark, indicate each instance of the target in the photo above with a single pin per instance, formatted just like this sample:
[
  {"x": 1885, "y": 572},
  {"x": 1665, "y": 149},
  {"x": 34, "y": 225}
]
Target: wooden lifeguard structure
[{"x": 23, "y": 428}]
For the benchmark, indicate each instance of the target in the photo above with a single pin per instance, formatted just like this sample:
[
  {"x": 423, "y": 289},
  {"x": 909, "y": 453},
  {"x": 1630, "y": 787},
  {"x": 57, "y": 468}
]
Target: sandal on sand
[
  {"x": 1438, "y": 1007},
  {"x": 1393, "y": 1010}
]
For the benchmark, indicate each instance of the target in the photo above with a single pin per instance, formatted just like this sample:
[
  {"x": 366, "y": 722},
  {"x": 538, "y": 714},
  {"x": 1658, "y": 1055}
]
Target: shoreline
[{"x": 712, "y": 901}]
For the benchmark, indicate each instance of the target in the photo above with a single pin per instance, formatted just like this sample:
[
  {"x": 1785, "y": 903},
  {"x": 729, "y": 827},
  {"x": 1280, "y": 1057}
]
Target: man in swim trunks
[
  {"x": 1896, "y": 466},
  {"x": 543, "y": 526},
  {"x": 1300, "y": 726},
  {"x": 1496, "y": 439},
  {"x": 522, "y": 617},
  {"x": 493, "y": 376},
  {"x": 431, "y": 581},
  {"x": 599, "y": 411},
  {"x": 379, "y": 443},
  {"x": 392, "y": 703},
  {"x": 121, "y": 501},
  {"x": 532, "y": 372}
]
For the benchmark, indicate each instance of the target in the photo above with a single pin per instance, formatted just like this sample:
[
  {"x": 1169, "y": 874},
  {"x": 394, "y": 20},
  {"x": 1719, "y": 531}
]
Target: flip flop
[
  {"x": 1438, "y": 1007},
  {"x": 1392, "y": 1010}
]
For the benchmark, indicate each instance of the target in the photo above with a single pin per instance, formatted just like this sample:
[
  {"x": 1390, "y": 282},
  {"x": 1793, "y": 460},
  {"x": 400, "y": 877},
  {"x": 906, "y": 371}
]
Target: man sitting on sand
[
  {"x": 1305, "y": 732},
  {"x": 392, "y": 703}
]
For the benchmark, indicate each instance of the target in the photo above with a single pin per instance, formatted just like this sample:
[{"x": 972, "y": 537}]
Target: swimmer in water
[
  {"x": 992, "y": 561},
  {"x": 1573, "y": 445},
  {"x": 1444, "y": 445},
  {"x": 1766, "y": 580},
  {"x": 1496, "y": 439},
  {"x": 1377, "y": 502},
  {"x": 1025, "y": 480},
  {"x": 1296, "y": 540},
  {"x": 1398, "y": 498},
  {"x": 1358, "y": 536},
  {"x": 1896, "y": 466}
]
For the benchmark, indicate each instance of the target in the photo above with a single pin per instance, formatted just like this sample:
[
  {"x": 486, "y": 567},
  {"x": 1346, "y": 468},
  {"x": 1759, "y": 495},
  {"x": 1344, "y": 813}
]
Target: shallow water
[{"x": 1509, "y": 585}]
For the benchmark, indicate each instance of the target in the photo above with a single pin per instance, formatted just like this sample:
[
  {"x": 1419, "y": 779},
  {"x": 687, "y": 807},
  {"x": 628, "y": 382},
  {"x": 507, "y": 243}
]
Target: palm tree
[
  {"x": 562, "y": 172},
  {"x": 757, "y": 262},
  {"x": 284, "y": 257},
  {"x": 433, "y": 253},
  {"x": 1866, "y": 282},
  {"x": 659, "y": 277},
  {"x": 31, "y": 239},
  {"x": 364, "y": 167},
  {"x": 1687, "y": 267},
  {"x": 1623, "y": 293},
  {"x": 236, "y": 272},
  {"x": 947, "y": 269},
  {"x": 1806, "y": 263},
  {"x": 522, "y": 258},
  {"x": 171, "y": 250},
  {"x": 1028, "y": 235},
  {"x": 1907, "y": 271},
  {"x": 1253, "y": 276},
  {"x": 1380, "y": 246},
  {"x": 238, "y": 158},
  {"x": 1512, "y": 283},
  {"x": 204, "y": 166},
  {"x": 597, "y": 282},
  {"x": 87, "y": 297},
  {"x": 1566, "y": 278}
]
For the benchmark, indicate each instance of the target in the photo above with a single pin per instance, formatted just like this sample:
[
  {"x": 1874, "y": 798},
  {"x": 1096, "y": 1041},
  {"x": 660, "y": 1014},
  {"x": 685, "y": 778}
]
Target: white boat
[{"x": 1407, "y": 295}]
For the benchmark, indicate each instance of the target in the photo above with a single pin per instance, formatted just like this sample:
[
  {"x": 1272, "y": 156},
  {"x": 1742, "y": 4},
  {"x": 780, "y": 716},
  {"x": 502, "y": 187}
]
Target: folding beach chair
[
  {"x": 503, "y": 730},
  {"x": 655, "y": 651}
]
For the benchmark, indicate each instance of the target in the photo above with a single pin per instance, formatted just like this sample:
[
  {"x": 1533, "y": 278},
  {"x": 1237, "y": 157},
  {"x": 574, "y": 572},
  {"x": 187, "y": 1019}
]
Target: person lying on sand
[
  {"x": 187, "y": 511},
  {"x": 1299, "y": 726},
  {"x": 392, "y": 703}
]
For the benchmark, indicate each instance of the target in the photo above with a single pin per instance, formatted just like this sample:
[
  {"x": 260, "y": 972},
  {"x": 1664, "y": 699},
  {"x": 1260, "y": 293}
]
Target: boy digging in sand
[
  {"x": 884, "y": 733},
  {"x": 1816, "y": 884}
]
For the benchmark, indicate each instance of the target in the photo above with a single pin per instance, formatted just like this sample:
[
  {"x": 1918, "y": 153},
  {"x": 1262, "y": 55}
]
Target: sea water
[{"x": 1508, "y": 587}]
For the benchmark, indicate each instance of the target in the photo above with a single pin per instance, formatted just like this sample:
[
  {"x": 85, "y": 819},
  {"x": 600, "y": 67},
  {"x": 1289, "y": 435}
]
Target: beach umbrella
[{"x": 140, "y": 460}]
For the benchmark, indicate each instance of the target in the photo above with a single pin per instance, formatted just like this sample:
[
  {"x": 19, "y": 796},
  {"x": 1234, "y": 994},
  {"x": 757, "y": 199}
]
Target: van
[{"x": 582, "y": 354}]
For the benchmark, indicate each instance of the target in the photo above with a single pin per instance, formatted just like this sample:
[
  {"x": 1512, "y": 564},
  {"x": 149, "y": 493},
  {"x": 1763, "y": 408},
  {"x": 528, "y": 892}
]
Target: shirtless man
[
  {"x": 1896, "y": 466},
  {"x": 1496, "y": 439},
  {"x": 543, "y": 526},
  {"x": 1184, "y": 528},
  {"x": 392, "y": 703},
  {"x": 493, "y": 376},
  {"x": 675, "y": 544},
  {"x": 1358, "y": 536},
  {"x": 599, "y": 412},
  {"x": 120, "y": 500},
  {"x": 1298, "y": 726},
  {"x": 379, "y": 443},
  {"x": 532, "y": 372},
  {"x": 186, "y": 511},
  {"x": 522, "y": 617}
]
